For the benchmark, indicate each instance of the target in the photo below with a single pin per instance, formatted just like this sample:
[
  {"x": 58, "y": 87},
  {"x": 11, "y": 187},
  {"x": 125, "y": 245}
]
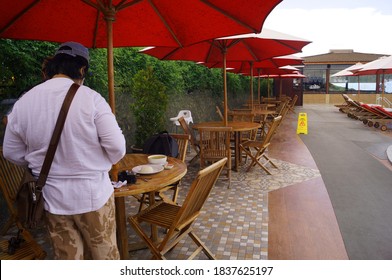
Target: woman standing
[{"x": 79, "y": 199}]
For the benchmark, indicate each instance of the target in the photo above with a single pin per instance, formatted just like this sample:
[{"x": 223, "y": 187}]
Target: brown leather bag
[{"x": 30, "y": 201}]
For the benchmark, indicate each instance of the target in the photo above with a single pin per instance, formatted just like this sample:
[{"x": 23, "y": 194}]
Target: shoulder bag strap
[{"x": 56, "y": 136}]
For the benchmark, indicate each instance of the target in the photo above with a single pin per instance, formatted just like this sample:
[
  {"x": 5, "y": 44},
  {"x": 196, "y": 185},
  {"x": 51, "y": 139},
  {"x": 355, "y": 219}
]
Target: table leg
[
  {"x": 121, "y": 223},
  {"x": 237, "y": 150},
  {"x": 263, "y": 126},
  {"x": 154, "y": 229}
]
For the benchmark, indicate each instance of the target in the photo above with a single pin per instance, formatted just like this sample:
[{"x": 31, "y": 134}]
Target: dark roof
[{"x": 341, "y": 57}]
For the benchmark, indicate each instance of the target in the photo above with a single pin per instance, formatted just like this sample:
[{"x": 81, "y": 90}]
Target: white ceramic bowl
[{"x": 157, "y": 159}]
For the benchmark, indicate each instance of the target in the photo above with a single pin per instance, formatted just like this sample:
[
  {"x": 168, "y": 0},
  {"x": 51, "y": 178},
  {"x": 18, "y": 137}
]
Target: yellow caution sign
[{"x": 302, "y": 127}]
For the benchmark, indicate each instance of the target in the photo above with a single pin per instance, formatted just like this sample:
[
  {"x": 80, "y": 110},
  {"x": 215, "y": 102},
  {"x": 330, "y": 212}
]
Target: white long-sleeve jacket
[{"x": 91, "y": 142}]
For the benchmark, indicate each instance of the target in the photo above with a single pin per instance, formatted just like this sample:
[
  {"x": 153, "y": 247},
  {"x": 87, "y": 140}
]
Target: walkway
[{"x": 353, "y": 163}]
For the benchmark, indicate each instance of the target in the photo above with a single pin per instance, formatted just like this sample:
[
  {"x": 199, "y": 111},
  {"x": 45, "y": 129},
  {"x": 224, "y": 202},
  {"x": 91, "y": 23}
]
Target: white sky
[{"x": 362, "y": 25}]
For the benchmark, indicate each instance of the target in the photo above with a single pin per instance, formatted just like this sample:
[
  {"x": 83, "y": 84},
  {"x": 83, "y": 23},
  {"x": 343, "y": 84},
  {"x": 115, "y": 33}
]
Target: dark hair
[{"x": 65, "y": 64}]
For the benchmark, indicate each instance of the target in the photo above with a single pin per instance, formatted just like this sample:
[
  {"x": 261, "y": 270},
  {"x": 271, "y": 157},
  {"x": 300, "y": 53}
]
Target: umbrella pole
[
  {"x": 109, "y": 25},
  {"x": 280, "y": 87},
  {"x": 251, "y": 84},
  {"x": 268, "y": 87},
  {"x": 258, "y": 86},
  {"x": 224, "y": 88},
  {"x": 383, "y": 88},
  {"x": 359, "y": 91}
]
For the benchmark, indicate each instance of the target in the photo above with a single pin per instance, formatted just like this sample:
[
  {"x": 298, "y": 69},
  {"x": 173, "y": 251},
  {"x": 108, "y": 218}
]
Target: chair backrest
[
  {"x": 214, "y": 144},
  {"x": 241, "y": 116},
  {"x": 271, "y": 131},
  {"x": 219, "y": 112},
  {"x": 10, "y": 177},
  {"x": 182, "y": 141},
  {"x": 281, "y": 107},
  {"x": 198, "y": 193},
  {"x": 266, "y": 99},
  {"x": 188, "y": 131},
  {"x": 258, "y": 107},
  {"x": 294, "y": 101},
  {"x": 346, "y": 97}
]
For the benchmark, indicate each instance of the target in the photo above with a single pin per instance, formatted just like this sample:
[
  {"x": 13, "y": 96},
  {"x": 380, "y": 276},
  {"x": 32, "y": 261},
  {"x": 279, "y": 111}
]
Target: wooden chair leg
[
  {"x": 142, "y": 201},
  {"x": 270, "y": 161},
  {"x": 136, "y": 226},
  {"x": 176, "y": 190},
  {"x": 202, "y": 245}
]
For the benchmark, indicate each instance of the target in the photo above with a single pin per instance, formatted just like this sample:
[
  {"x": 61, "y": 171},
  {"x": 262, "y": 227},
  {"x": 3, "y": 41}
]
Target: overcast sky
[{"x": 362, "y": 25}]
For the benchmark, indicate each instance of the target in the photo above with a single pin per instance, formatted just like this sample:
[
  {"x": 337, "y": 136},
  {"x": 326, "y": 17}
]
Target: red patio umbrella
[
  {"x": 270, "y": 72},
  {"x": 349, "y": 71},
  {"x": 122, "y": 23},
  {"x": 293, "y": 75},
  {"x": 379, "y": 66},
  {"x": 274, "y": 62},
  {"x": 270, "y": 63},
  {"x": 256, "y": 68},
  {"x": 246, "y": 47}
]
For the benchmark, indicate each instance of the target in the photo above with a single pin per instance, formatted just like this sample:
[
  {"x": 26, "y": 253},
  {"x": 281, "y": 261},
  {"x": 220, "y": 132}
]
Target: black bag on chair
[{"x": 161, "y": 143}]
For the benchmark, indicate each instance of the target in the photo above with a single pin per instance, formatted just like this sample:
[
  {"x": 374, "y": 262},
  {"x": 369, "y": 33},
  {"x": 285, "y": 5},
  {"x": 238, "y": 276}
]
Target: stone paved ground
[{"x": 234, "y": 222}]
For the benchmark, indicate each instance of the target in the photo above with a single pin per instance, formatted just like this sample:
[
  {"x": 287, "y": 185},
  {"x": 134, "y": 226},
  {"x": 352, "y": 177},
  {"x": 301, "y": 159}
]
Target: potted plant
[{"x": 149, "y": 105}]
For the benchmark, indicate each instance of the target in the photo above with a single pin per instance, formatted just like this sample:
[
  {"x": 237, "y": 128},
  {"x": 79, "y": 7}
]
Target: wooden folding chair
[
  {"x": 178, "y": 220},
  {"x": 194, "y": 142},
  {"x": 281, "y": 110},
  {"x": 182, "y": 141},
  {"x": 292, "y": 104},
  {"x": 215, "y": 145},
  {"x": 260, "y": 148},
  {"x": 10, "y": 175},
  {"x": 283, "y": 114},
  {"x": 256, "y": 108},
  {"x": 243, "y": 116},
  {"x": 10, "y": 178}
]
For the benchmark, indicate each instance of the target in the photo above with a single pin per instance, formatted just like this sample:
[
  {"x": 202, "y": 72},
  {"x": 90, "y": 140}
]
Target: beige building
[{"x": 320, "y": 87}]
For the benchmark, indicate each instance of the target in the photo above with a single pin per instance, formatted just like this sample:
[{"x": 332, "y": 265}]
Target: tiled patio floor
[{"x": 234, "y": 222}]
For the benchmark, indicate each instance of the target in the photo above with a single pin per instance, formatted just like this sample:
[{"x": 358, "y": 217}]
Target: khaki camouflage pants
[{"x": 90, "y": 235}]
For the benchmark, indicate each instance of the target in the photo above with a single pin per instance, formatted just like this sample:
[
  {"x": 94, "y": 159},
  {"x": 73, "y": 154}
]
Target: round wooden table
[
  {"x": 237, "y": 128},
  {"x": 154, "y": 183}
]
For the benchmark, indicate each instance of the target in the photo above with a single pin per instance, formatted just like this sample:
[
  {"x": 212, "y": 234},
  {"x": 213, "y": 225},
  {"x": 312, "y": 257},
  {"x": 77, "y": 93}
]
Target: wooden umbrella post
[
  {"x": 251, "y": 84},
  {"x": 268, "y": 87},
  {"x": 258, "y": 86},
  {"x": 224, "y": 51},
  {"x": 359, "y": 90},
  {"x": 383, "y": 89},
  {"x": 109, "y": 25},
  {"x": 280, "y": 87}
]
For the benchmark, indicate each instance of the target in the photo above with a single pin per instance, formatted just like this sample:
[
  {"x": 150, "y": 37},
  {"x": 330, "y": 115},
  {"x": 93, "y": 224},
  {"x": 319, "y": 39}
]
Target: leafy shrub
[{"x": 149, "y": 105}]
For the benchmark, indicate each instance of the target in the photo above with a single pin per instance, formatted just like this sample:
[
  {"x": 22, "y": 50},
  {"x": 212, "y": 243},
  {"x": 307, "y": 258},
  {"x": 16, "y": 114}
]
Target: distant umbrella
[
  {"x": 246, "y": 47},
  {"x": 379, "y": 66},
  {"x": 349, "y": 71}
]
